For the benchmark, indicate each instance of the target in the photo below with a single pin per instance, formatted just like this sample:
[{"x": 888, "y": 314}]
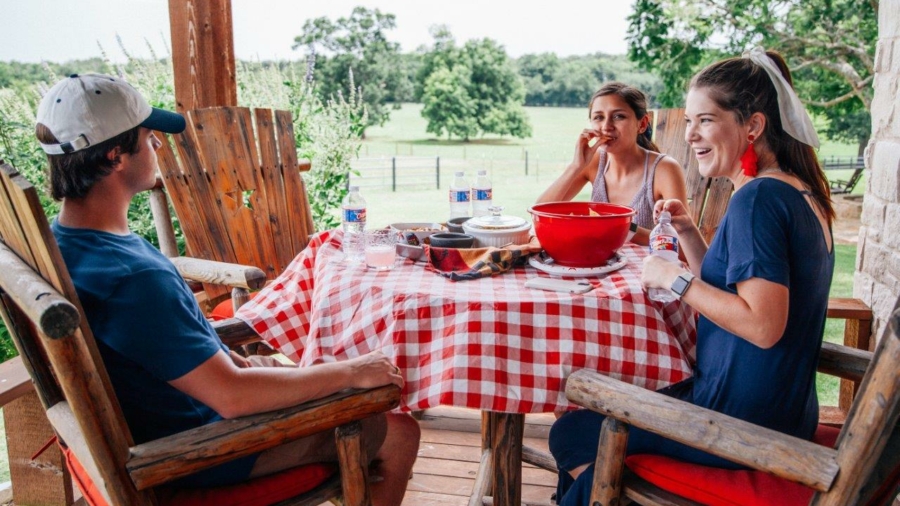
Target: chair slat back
[
  {"x": 871, "y": 422},
  {"x": 66, "y": 366},
  {"x": 707, "y": 197},
  {"x": 235, "y": 184}
]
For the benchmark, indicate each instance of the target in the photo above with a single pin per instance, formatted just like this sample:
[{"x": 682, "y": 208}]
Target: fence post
[
  {"x": 526, "y": 162},
  {"x": 437, "y": 171},
  {"x": 394, "y": 173}
]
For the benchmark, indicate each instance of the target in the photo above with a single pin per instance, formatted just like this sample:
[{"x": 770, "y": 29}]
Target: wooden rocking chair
[
  {"x": 862, "y": 468},
  {"x": 234, "y": 183},
  {"x": 41, "y": 309},
  {"x": 708, "y": 199}
]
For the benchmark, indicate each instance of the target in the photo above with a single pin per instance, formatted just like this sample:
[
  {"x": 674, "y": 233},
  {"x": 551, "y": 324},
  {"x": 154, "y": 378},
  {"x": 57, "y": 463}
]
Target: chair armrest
[
  {"x": 220, "y": 273},
  {"x": 736, "y": 440},
  {"x": 234, "y": 332},
  {"x": 844, "y": 361},
  {"x": 848, "y": 309},
  {"x": 163, "y": 460}
]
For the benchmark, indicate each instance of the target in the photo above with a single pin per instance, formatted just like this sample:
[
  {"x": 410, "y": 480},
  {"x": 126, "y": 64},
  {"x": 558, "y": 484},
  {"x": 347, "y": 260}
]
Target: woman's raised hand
[{"x": 584, "y": 152}]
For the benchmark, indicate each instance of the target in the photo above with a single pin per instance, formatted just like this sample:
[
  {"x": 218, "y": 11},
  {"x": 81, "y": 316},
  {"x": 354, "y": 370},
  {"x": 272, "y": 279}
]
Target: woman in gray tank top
[{"x": 615, "y": 154}]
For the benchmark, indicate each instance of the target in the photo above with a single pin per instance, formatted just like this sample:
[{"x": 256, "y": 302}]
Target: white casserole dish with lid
[{"x": 496, "y": 230}]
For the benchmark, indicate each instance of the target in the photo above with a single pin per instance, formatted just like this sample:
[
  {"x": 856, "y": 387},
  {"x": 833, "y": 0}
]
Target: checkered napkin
[{"x": 475, "y": 263}]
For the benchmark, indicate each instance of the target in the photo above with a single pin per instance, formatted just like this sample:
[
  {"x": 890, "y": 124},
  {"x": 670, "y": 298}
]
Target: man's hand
[
  {"x": 373, "y": 370},
  {"x": 238, "y": 360}
]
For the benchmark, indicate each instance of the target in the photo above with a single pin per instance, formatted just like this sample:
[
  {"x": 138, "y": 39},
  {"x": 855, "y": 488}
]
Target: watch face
[{"x": 680, "y": 285}]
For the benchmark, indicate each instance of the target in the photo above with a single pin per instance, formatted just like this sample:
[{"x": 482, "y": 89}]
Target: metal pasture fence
[
  {"x": 436, "y": 171},
  {"x": 842, "y": 162}
]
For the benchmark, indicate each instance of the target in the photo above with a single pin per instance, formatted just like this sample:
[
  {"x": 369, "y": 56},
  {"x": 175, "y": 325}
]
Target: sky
[{"x": 62, "y": 30}]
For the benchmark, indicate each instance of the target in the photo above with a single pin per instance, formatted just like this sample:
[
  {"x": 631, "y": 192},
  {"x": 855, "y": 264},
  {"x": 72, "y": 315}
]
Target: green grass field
[
  {"x": 553, "y": 138},
  {"x": 549, "y": 151}
]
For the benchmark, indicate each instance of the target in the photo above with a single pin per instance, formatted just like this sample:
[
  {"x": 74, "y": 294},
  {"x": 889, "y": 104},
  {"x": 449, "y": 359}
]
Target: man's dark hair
[{"x": 72, "y": 175}]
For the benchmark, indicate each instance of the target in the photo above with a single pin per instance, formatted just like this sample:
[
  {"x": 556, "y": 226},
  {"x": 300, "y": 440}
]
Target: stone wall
[{"x": 877, "y": 278}]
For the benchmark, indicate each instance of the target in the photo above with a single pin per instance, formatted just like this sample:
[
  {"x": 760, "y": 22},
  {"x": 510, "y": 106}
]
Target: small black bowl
[
  {"x": 455, "y": 224},
  {"x": 451, "y": 240}
]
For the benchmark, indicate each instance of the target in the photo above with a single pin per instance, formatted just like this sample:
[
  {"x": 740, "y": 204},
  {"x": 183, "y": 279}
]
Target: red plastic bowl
[{"x": 575, "y": 238}]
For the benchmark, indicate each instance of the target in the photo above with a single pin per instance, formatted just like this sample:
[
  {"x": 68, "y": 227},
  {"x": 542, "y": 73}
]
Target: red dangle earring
[{"x": 748, "y": 160}]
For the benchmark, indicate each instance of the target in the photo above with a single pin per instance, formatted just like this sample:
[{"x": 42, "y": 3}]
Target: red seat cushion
[
  {"x": 225, "y": 309},
  {"x": 257, "y": 492},
  {"x": 713, "y": 486}
]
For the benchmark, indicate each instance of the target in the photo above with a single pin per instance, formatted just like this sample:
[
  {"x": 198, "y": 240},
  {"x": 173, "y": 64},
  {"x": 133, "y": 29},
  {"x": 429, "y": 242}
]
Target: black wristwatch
[{"x": 681, "y": 284}]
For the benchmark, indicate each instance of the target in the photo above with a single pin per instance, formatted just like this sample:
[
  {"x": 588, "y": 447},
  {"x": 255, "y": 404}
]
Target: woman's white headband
[{"x": 794, "y": 118}]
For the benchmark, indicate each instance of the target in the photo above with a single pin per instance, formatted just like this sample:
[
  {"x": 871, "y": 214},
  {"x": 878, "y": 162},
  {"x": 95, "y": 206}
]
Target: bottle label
[
  {"x": 459, "y": 195},
  {"x": 354, "y": 215},
  {"x": 483, "y": 194},
  {"x": 664, "y": 243}
]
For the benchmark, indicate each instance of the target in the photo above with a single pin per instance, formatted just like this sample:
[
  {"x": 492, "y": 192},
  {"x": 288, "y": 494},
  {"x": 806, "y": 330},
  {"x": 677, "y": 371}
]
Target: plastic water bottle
[
  {"x": 460, "y": 194},
  {"x": 663, "y": 243},
  {"x": 482, "y": 195},
  {"x": 353, "y": 216}
]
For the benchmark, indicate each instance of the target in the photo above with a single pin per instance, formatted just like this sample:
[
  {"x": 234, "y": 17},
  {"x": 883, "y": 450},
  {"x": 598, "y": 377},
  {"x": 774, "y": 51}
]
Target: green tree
[
  {"x": 446, "y": 103},
  {"x": 570, "y": 82},
  {"x": 357, "y": 44},
  {"x": 484, "y": 93},
  {"x": 829, "y": 45},
  {"x": 442, "y": 54}
]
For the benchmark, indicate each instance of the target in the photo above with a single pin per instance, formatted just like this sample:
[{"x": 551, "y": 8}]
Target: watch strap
[{"x": 632, "y": 229}]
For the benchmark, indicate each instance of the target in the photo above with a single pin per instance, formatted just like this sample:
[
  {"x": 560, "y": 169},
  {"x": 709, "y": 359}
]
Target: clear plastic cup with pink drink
[{"x": 381, "y": 249}]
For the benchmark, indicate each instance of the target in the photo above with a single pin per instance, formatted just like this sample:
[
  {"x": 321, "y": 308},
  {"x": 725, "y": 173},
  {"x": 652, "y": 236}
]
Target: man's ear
[{"x": 114, "y": 155}]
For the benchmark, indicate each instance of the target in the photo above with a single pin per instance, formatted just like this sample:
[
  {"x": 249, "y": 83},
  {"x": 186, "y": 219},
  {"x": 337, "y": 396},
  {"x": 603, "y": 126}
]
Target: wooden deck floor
[{"x": 449, "y": 454}]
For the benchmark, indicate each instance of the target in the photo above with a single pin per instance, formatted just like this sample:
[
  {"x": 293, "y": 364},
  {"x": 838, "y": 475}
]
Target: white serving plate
[{"x": 544, "y": 263}]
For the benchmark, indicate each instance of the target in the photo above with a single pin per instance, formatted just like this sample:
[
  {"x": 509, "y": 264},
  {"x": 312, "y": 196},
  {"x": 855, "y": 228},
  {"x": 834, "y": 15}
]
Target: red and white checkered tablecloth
[{"x": 488, "y": 344}]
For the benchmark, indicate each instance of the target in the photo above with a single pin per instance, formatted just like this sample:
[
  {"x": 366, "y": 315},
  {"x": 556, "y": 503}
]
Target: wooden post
[
  {"x": 202, "y": 53},
  {"x": 162, "y": 221},
  {"x": 506, "y": 452},
  {"x": 354, "y": 464},
  {"x": 44, "y": 479},
  {"x": 610, "y": 463}
]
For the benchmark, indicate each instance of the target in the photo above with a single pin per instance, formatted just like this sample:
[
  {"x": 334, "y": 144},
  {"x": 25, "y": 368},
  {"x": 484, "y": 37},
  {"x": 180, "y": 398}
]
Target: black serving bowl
[
  {"x": 455, "y": 224},
  {"x": 451, "y": 240}
]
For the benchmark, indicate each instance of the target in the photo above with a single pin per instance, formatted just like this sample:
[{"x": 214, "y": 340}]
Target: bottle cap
[
  {"x": 460, "y": 173},
  {"x": 664, "y": 216},
  {"x": 482, "y": 172},
  {"x": 354, "y": 188}
]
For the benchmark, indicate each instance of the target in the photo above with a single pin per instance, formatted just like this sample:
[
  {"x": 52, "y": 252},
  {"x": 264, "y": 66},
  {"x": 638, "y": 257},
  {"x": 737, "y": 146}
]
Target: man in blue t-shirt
[{"x": 169, "y": 369}]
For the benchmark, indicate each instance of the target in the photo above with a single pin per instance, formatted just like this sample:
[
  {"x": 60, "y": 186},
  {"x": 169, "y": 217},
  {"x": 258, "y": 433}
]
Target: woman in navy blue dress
[{"x": 761, "y": 286}]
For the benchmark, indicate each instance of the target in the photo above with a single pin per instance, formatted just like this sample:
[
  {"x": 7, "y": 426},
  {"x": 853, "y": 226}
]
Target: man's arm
[{"x": 234, "y": 391}]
